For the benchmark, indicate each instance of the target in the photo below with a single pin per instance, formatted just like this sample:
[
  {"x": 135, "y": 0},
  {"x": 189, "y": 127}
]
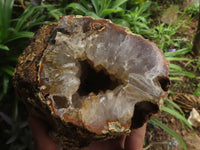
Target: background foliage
[{"x": 19, "y": 20}]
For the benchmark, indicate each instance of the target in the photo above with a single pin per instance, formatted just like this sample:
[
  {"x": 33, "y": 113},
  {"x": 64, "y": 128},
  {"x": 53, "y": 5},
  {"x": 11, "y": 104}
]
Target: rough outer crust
[{"x": 26, "y": 85}]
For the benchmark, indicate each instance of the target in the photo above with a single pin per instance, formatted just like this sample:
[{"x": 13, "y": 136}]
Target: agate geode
[{"x": 90, "y": 79}]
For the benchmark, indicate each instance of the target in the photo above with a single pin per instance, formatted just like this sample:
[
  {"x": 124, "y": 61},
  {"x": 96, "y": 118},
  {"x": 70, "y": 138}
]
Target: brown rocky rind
[{"x": 72, "y": 128}]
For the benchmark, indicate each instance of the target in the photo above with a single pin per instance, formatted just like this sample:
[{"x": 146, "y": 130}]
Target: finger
[
  {"x": 105, "y": 145},
  {"x": 136, "y": 139},
  {"x": 38, "y": 128},
  {"x": 122, "y": 141},
  {"x": 40, "y": 134}
]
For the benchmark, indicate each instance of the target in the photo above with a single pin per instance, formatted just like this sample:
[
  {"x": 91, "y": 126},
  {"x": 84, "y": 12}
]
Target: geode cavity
[{"x": 90, "y": 79}]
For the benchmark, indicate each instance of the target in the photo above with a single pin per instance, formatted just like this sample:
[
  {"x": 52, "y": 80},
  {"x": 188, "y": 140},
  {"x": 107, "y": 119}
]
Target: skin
[{"x": 43, "y": 142}]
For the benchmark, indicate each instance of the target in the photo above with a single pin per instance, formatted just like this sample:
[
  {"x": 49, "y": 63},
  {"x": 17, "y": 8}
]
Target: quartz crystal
[{"x": 93, "y": 76}]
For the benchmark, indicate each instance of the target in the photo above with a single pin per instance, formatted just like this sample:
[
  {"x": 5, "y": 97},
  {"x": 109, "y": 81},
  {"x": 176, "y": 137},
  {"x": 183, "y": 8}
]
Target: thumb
[{"x": 136, "y": 139}]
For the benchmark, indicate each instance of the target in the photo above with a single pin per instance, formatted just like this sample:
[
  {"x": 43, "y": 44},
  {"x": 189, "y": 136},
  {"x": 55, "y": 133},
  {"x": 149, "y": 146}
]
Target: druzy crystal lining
[{"x": 129, "y": 68}]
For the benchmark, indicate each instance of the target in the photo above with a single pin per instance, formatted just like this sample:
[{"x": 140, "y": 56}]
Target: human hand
[{"x": 43, "y": 142}]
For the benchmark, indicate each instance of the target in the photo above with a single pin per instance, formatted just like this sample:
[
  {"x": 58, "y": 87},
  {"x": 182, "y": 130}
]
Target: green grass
[
  {"x": 193, "y": 10},
  {"x": 174, "y": 110},
  {"x": 96, "y": 8},
  {"x": 14, "y": 36},
  {"x": 169, "y": 131},
  {"x": 137, "y": 15}
]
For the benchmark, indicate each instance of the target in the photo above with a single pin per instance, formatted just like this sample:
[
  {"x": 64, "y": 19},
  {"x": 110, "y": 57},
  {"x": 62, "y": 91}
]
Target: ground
[{"x": 158, "y": 139}]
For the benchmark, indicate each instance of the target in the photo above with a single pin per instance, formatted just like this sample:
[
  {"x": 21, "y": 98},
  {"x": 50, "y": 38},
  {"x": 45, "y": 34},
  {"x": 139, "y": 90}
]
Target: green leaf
[
  {"x": 176, "y": 114},
  {"x": 4, "y": 47},
  {"x": 175, "y": 79},
  {"x": 56, "y": 13},
  {"x": 5, "y": 17},
  {"x": 104, "y": 4},
  {"x": 197, "y": 92},
  {"x": 106, "y": 12},
  {"x": 5, "y": 84},
  {"x": 167, "y": 37},
  {"x": 78, "y": 7},
  {"x": 121, "y": 22},
  {"x": 175, "y": 67},
  {"x": 18, "y": 35},
  {"x": 52, "y": 11},
  {"x": 178, "y": 59},
  {"x": 184, "y": 73},
  {"x": 92, "y": 14},
  {"x": 40, "y": 23},
  {"x": 118, "y": 3},
  {"x": 24, "y": 18},
  {"x": 169, "y": 131},
  {"x": 12, "y": 58},
  {"x": 95, "y": 3},
  {"x": 168, "y": 101},
  {"x": 35, "y": 14},
  {"x": 142, "y": 19},
  {"x": 8, "y": 69},
  {"x": 177, "y": 53},
  {"x": 85, "y": 3},
  {"x": 145, "y": 6},
  {"x": 141, "y": 25}
]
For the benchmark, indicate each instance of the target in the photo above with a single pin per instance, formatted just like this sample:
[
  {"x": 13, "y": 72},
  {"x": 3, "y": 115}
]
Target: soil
[{"x": 158, "y": 139}]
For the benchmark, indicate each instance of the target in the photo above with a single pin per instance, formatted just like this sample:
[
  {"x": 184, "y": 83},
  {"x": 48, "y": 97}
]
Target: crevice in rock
[
  {"x": 164, "y": 83},
  {"x": 142, "y": 112},
  {"x": 95, "y": 81},
  {"x": 60, "y": 102}
]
